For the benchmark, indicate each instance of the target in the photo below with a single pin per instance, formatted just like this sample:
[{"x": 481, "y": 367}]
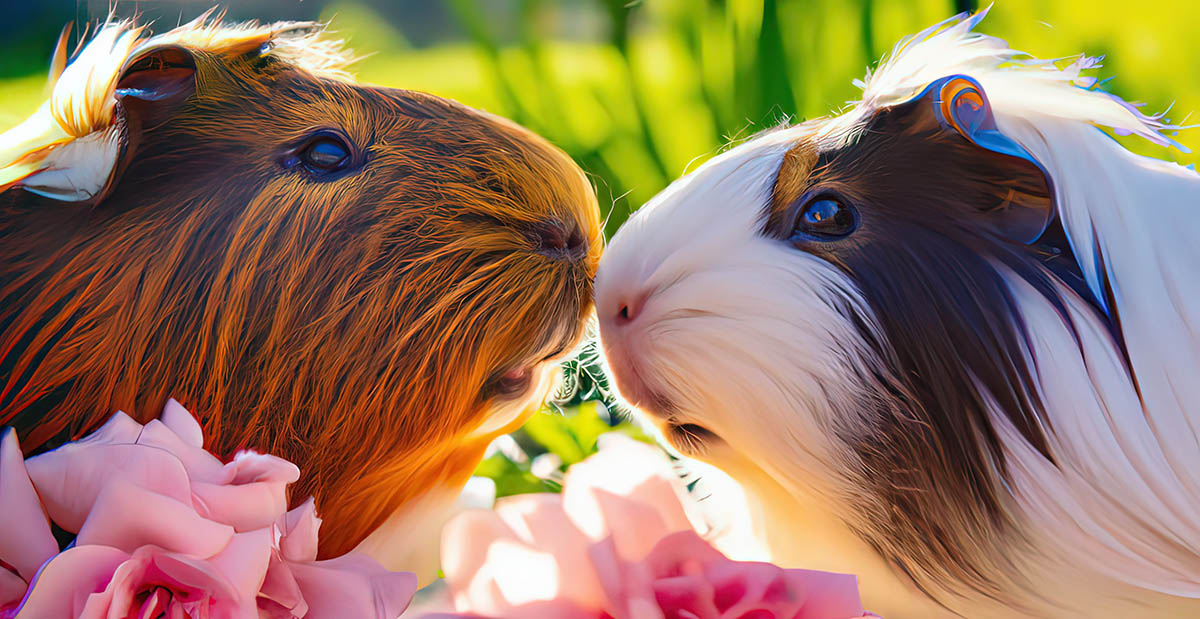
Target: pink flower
[
  {"x": 164, "y": 457},
  {"x": 95, "y": 582},
  {"x": 619, "y": 542},
  {"x": 165, "y": 529},
  {"x": 353, "y": 585},
  {"x": 25, "y": 539}
]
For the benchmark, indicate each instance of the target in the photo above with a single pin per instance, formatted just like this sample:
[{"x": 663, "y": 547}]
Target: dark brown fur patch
[{"x": 932, "y": 469}]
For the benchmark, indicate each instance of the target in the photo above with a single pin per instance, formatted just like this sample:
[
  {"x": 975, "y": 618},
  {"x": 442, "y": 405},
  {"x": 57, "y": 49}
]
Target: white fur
[{"x": 739, "y": 332}]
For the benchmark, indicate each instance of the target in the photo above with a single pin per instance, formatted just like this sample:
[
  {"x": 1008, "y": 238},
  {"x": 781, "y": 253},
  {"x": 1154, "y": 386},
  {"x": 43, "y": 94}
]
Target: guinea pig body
[
  {"x": 948, "y": 339},
  {"x": 369, "y": 282}
]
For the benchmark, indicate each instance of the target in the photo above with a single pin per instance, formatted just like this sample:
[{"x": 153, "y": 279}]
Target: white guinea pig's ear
[{"x": 1024, "y": 191}]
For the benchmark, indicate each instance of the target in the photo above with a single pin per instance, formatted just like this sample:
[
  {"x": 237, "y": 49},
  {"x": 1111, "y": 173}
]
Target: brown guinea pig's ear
[
  {"x": 150, "y": 87},
  {"x": 1022, "y": 190},
  {"x": 165, "y": 74}
]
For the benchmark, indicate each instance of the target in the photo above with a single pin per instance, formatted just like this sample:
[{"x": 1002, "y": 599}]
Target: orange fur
[{"x": 349, "y": 325}]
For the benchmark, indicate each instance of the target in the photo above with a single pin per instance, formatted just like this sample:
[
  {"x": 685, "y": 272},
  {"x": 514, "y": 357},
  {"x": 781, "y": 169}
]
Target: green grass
[{"x": 21, "y": 97}]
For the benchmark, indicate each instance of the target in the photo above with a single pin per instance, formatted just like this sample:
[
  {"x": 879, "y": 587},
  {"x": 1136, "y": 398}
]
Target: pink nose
[
  {"x": 628, "y": 309},
  {"x": 625, "y": 314}
]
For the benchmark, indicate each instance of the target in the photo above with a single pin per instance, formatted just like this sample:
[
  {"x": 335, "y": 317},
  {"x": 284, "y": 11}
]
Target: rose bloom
[
  {"x": 165, "y": 529},
  {"x": 620, "y": 542}
]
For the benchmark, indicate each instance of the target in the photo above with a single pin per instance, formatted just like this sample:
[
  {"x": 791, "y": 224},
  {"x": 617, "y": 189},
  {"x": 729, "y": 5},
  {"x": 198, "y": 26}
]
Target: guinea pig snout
[
  {"x": 558, "y": 239},
  {"x": 623, "y": 333}
]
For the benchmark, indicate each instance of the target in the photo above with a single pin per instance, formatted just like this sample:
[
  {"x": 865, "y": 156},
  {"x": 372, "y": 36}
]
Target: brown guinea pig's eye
[
  {"x": 324, "y": 156},
  {"x": 509, "y": 384}
]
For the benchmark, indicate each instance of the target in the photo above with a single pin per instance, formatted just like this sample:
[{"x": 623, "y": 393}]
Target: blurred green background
[{"x": 639, "y": 92}]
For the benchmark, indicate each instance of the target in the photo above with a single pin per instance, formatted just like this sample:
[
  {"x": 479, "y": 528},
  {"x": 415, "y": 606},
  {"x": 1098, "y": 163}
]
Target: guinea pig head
[
  {"x": 369, "y": 282},
  {"x": 829, "y": 303}
]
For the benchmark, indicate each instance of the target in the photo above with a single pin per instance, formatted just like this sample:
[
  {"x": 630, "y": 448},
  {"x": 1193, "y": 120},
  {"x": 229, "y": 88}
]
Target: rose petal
[
  {"x": 250, "y": 493},
  {"x": 540, "y": 521},
  {"x": 353, "y": 585},
  {"x": 182, "y": 423},
  {"x": 634, "y": 482},
  {"x": 120, "y": 429},
  {"x": 250, "y": 467},
  {"x": 552, "y": 609},
  {"x": 465, "y": 551},
  {"x": 280, "y": 596},
  {"x": 25, "y": 538},
  {"x": 246, "y": 508},
  {"x": 685, "y": 546},
  {"x": 625, "y": 506},
  {"x": 195, "y": 587},
  {"x": 199, "y": 464},
  {"x": 298, "y": 541},
  {"x": 63, "y": 586},
  {"x": 156, "y": 604},
  {"x": 69, "y": 478},
  {"x": 828, "y": 594},
  {"x": 638, "y": 525},
  {"x": 128, "y": 517},
  {"x": 12, "y": 589},
  {"x": 628, "y": 584},
  {"x": 244, "y": 562}
]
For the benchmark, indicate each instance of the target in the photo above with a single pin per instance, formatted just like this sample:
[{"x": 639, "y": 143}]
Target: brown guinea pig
[{"x": 369, "y": 282}]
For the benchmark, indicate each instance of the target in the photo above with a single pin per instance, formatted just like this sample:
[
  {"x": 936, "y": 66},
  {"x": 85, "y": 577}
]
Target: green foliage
[
  {"x": 554, "y": 438},
  {"x": 512, "y": 477},
  {"x": 665, "y": 84}
]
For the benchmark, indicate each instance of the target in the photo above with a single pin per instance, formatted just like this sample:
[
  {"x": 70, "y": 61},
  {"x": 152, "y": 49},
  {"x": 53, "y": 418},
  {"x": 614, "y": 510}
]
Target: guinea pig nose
[
  {"x": 627, "y": 311},
  {"x": 558, "y": 240}
]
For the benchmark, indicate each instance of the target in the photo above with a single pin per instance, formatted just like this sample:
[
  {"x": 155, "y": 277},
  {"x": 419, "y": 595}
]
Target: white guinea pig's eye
[{"x": 824, "y": 218}]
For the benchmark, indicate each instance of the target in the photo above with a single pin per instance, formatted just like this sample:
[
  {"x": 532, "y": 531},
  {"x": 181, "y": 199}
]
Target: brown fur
[{"x": 351, "y": 326}]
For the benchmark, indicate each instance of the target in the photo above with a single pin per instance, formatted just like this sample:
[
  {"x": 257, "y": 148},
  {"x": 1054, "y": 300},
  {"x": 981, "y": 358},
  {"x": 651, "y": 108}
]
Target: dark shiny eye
[
  {"x": 325, "y": 154},
  {"x": 825, "y": 219}
]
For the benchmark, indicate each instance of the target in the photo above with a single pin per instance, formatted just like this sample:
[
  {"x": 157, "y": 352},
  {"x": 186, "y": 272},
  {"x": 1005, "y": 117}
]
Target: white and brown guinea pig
[
  {"x": 949, "y": 339},
  {"x": 370, "y": 282}
]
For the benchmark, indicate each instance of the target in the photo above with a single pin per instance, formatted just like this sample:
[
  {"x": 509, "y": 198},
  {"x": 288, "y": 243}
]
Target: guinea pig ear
[
  {"x": 1024, "y": 191},
  {"x": 75, "y": 145},
  {"x": 153, "y": 83}
]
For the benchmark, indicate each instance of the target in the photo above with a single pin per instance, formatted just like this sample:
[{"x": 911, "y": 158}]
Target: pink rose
[
  {"x": 166, "y": 529},
  {"x": 97, "y": 582},
  {"x": 353, "y": 585},
  {"x": 165, "y": 457},
  {"x": 25, "y": 539},
  {"x": 619, "y": 542}
]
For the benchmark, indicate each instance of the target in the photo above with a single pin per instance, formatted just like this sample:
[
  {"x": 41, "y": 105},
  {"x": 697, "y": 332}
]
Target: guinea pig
[
  {"x": 948, "y": 339},
  {"x": 369, "y": 282}
]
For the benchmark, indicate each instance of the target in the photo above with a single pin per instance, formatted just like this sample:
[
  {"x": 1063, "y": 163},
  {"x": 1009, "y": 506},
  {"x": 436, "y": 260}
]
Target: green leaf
[{"x": 511, "y": 478}]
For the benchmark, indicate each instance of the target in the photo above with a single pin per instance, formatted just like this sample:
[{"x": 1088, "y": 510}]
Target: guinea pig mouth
[{"x": 634, "y": 388}]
